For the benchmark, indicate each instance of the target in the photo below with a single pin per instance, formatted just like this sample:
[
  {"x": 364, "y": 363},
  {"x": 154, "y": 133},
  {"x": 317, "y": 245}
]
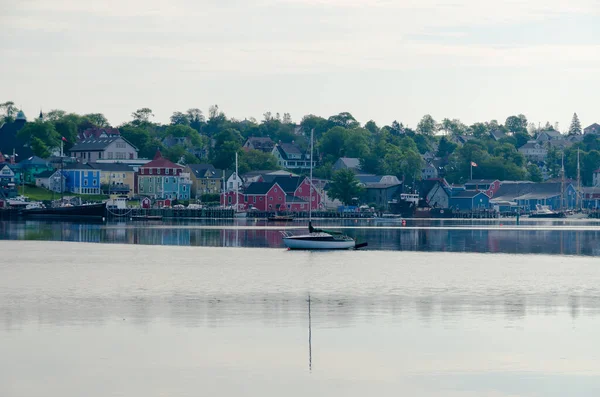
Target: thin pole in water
[
  {"x": 311, "y": 177},
  {"x": 309, "y": 337}
]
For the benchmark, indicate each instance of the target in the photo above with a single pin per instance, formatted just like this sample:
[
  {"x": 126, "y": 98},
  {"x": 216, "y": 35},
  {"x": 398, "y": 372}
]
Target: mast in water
[
  {"x": 562, "y": 182},
  {"x": 236, "y": 183},
  {"x": 311, "y": 178},
  {"x": 578, "y": 199}
]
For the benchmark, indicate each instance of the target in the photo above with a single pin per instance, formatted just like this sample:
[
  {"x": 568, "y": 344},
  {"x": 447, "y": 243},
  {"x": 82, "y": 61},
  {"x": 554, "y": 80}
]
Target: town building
[
  {"x": 468, "y": 200},
  {"x": 590, "y": 197},
  {"x": 53, "y": 180},
  {"x": 112, "y": 147},
  {"x": 534, "y": 151},
  {"x": 347, "y": 163},
  {"x": 527, "y": 195},
  {"x": 116, "y": 178},
  {"x": 163, "y": 179},
  {"x": 264, "y": 144},
  {"x": 592, "y": 129},
  {"x": 206, "y": 179},
  {"x": 429, "y": 171},
  {"x": 81, "y": 179},
  {"x": 291, "y": 156},
  {"x": 548, "y": 135},
  {"x": 97, "y": 133}
]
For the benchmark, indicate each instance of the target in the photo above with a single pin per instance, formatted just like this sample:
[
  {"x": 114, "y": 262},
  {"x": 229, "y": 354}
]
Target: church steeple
[{"x": 41, "y": 115}]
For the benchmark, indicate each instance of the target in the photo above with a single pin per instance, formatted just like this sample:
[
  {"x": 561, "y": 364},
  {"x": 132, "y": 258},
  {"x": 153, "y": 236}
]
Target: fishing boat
[
  {"x": 543, "y": 211},
  {"x": 71, "y": 211},
  {"x": 318, "y": 239}
]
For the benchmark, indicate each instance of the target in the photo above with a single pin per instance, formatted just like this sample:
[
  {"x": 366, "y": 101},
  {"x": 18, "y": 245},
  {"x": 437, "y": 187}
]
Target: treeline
[{"x": 393, "y": 149}]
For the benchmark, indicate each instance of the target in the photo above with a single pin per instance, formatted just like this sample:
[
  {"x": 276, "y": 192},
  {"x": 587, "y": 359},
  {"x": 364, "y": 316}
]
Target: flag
[
  {"x": 64, "y": 139},
  {"x": 473, "y": 164}
]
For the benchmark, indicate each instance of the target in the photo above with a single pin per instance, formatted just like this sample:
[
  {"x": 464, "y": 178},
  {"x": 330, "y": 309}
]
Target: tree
[
  {"x": 41, "y": 136},
  {"x": 516, "y": 124},
  {"x": 227, "y": 143},
  {"x": 445, "y": 147},
  {"x": 575, "y": 128},
  {"x": 179, "y": 118},
  {"x": 142, "y": 116},
  {"x": 534, "y": 173},
  {"x": 9, "y": 109},
  {"x": 427, "y": 125},
  {"x": 287, "y": 118},
  {"x": 372, "y": 127},
  {"x": 254, "y": 160},
  {"x": 332, "y": 143},
  {"x": 39, "y": 148},
  {"x": 196, "y": 118},
  {"x": 344, "y": 186},
  {"x": 344, "y": 119},
  {"x": 55, "y": 115},
  {"x": 97, "y": 119}
]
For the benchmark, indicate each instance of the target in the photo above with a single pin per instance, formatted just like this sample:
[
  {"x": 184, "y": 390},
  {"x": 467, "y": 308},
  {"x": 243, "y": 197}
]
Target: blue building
[
  {"x": 82, "y": 179},
  {"x": 547, "y": 194},
  {"x": 468, "y": 200}
]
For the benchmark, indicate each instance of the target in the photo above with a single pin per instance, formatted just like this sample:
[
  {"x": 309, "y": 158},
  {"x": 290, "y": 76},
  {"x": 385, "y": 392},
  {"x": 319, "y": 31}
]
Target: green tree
[
  {"x": 343, "y": 119},
  {"x": 9, "y": 111},
  {"x": 179, "y": 118},
  {"x": 97, "y": 119},
  {"x": 534, "y": 173},
  {"x": 575, "y": 128},
  {"x": 196, "y": 118},
  {"x": 344, "y": 186},
  {"x": 372, "y": 127},
  {"x": 41, "y": 136},
  {"x": 445, "y": 147},
  {"x": 553, "y": 162},
  {"x": 68, "y": 129},
  {"x": 516, "y": 124},
  {"x": 427, "y": 125},
  {"x": 254, "y": 160},
  {"x": 332, "y": 143},
  {"x": 227, "y": 143},
  {"x": 142, "y": 116}
]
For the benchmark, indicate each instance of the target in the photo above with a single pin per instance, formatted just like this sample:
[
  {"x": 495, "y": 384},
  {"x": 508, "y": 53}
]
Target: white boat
[{"x": 317, "y": 239}]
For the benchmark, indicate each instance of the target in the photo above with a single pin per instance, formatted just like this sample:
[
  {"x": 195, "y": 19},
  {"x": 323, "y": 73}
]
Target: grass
[{"x": 40, "y": 194}]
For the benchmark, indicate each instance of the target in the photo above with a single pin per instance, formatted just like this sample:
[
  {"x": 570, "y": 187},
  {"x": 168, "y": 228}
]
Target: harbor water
[{"x": 221, "y": 309}]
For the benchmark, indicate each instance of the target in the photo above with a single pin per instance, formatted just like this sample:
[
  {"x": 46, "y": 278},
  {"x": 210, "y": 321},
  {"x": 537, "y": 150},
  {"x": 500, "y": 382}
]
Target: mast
[
  {"x": 562, "y": 182},
  {"x": 236, "y": 182},
  {"x": 309, "y": 336},
  {"x": 311, "y": 178},
  {"x": 578, "y": 201}
]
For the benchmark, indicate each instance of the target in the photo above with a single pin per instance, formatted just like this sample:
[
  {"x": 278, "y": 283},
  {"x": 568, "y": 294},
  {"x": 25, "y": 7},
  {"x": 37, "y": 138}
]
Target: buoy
[{"x": 403, "y": 222}]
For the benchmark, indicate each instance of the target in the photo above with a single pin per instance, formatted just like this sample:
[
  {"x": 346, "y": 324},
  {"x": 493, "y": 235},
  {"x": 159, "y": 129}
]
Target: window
[
  {"x": 151, "y": 171},
  {"x": 255, "y": 199},
  {"x": 85, "y": 182},
  {"x": 150, "y": 190},
  {"x": 275, "y": 190},
  {"x": 184, "y": 188},
  {"x": 141, "y": 188},
  {"x": 271, "y": 198},
  {"x": 94, "y": 182},
  {"x": 279, "y": 198},
  {"x": 229, "y": 199},
  {"x": 168, "y": 171},
  {"x": 270, "y": 206},
  {"x": 299, "y": 190},
  {"x": 110, "y": 155},
  {"x": 260, "y": 198}
]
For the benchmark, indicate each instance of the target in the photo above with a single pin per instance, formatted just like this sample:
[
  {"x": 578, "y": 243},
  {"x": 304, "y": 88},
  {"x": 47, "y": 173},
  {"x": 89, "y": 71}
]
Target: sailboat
[
  {"x": 318, "y": 239},
  {"x": 238, "y": 213}
]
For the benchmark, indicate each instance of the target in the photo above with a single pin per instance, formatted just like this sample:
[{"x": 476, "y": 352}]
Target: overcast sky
[{"x": 475, "y": 60}]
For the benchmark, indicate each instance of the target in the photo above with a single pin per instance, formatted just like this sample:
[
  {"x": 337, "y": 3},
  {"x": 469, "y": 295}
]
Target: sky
[{"x": 474, "y": 60}]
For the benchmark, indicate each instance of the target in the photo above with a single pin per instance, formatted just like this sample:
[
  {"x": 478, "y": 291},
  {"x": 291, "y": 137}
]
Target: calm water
[
  {"x": 80, "y": 319},
  {"x": 577, "y": 237}
]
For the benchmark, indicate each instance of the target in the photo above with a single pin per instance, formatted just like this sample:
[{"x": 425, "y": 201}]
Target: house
[
  {"x": 9, "y": 142},
  {"x": 52, "y": 180},
  {"x": 292, "y": 156},
  {"x": 527, "y": 195},
  {"x": 460, "y": 139},
  {"x": 489, "y": 186},
  {"x": 163, "y": 179},
  {"x": 97, "y": 133},
  {"x": 116, "y": 178},
  {"x": 7, "y": 175},
  {"x": 347, "y": 163},
  {"x": 206, "y": 179},
  {"x": 592, "y": 129},
  {"x": 366, "y": 179},
  {"x": 81, "y": 179},
  {"x": 32, "y": 166},
  {"x": 280, "y": 193},
  {"x": 113, "y": 147},
  {"x": 590, "y": 197},
  {"x": 534, "y": 151},
  {"x": 381, "y": 194},
  {"x": 429, "y": 172},
  {"x": 497, "y": 135},
  {"x": 548, "y": 135},
  {"x": 468, "y": 200},
  {"x": 264, "y": 144}
]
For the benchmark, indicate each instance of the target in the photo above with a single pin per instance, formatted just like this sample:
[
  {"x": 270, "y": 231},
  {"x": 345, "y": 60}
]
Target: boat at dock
[
  {"x": 281, "y": 218},
  {"x": 544, "y": 212},
  {"x": 71, "y": 211}
]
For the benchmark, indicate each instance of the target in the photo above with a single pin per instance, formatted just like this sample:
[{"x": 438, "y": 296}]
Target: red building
[{"x": 279, "y": 193}]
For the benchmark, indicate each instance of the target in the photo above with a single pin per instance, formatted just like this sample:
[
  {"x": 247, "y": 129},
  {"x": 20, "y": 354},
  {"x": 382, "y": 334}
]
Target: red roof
[{"x": 160, "y": 162}]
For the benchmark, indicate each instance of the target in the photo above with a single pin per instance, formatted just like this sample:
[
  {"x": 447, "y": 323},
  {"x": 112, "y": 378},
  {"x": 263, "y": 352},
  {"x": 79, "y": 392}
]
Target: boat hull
[
  {"x": 315, "y": 243},
  {"x": 76, "y": 211},
  {"x": 548, "y": 216}
]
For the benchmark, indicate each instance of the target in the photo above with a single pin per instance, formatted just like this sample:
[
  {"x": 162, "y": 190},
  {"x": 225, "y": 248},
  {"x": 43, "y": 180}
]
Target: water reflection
[{"x": 448, "y": 236}]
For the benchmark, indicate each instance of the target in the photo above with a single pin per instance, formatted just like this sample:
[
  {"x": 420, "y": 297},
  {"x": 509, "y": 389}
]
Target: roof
[
  {"x": 45, "y": 174},
  {"x": 77, "y": 166},
  {"x": 368, "y": 178},
  {"x": 21, "y": 116},
  {"x": 34, "y": 160},
  {"x": 289, "y": 184},
  {"x": 537, "y": 196},
  {"x": 95, "y": 144},
  {"x": 286, "y": 149},
  {"x": 531, "y": 145},
  {"x": 112, "y": 167},
  {"x": 382, "y": 185},
  {"x": 511, "y": 190},
  {"x": 206, "y": 171},
  {"x": 497, "y": 134},
  {"x": 96, "y": 132},
  {"x": 464, "y": 194},
  {"x": 551, "y": 133},
  {"x": 350, "y": 162},
  {"x": 260, "y": 141},
  {"x": 258, "y": 188},
  {"x": 480, "y": 181},
  {"x": 160, "y": 162}
]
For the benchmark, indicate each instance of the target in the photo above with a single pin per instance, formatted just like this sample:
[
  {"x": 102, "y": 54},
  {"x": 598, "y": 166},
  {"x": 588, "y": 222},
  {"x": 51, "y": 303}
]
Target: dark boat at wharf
[
  {"x": 89, "y": 211},
  {"x": 280, "y": 218}
]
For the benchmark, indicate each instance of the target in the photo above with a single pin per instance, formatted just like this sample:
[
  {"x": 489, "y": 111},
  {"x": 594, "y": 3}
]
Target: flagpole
[{"x": 471, "y": 170}]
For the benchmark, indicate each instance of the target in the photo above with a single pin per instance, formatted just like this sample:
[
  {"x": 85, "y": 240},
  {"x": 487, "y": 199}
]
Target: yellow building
[
  {"x": 116, "y": 178},
  {"x": 206, "y": 179}
]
